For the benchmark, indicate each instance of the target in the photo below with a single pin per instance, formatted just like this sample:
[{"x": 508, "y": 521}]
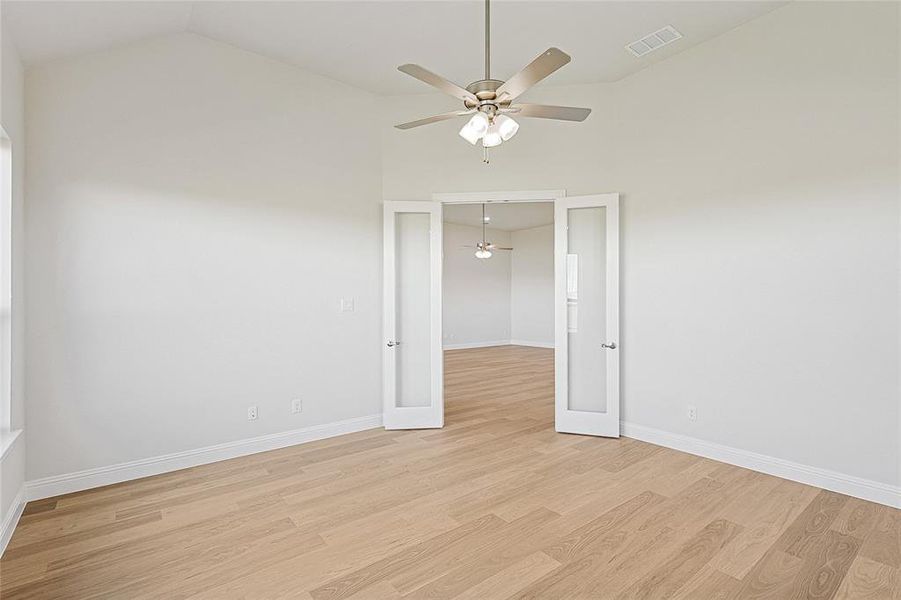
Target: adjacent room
[
  {"x": 463, "y": 299},
  {"x": 502, "y": 294}
]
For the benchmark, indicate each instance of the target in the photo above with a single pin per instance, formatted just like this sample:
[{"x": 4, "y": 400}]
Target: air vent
[{"x": 652, "y": 42}]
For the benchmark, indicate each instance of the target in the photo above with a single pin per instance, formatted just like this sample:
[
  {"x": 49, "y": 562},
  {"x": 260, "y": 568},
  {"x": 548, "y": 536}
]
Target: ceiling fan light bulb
[
  {"x": 492, "y": 137},
  {"x": 483, "y": 253},
  {"x": 506, "y": 126}
]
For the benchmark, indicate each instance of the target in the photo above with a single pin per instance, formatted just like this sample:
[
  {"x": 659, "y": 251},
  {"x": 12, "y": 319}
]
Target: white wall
[
  {"x": 476, "y": 292},
  {"x": 532, "y": 286},
  {"x": 759, "y": 174},
  {"x": 761, "y": 226},
  {"x": 195, "y": 216},
  {"x": 12, "y": 465}
]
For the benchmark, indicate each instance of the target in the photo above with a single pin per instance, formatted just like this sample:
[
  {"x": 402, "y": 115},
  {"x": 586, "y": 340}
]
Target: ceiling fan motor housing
[{"x": 486, "y": 91}]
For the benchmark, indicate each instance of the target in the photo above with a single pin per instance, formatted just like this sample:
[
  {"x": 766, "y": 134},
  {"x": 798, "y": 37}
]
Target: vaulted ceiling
[{"x": 361, "y": 43}]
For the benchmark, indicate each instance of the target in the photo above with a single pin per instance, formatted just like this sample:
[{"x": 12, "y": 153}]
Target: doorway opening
[{"x": 498, "y": 310}]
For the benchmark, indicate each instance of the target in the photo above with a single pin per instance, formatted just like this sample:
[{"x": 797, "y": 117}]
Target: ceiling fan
[
  {"x": 485, "y": 249},
  {"x": 490, "y": 101}
]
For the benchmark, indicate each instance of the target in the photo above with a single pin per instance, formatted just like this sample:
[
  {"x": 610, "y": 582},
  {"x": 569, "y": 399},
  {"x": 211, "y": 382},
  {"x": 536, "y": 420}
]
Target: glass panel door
[
  {"x": 413, "y": 371},
  {"x": 587, "y": 315}
]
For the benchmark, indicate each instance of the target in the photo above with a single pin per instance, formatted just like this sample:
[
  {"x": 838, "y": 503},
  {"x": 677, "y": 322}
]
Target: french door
[
  {"x": 586, "y": 319},
  {"x": 413, "y": 377}
]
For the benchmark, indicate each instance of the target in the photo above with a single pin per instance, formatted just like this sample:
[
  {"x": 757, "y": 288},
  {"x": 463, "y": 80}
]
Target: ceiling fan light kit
[{"x": 490, "y": 101}]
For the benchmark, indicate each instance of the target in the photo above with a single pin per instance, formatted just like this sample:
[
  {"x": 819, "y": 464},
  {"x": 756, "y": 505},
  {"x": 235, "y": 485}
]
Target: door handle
[
  {"x": 610, "y": 346},
  {"x": 392, "y": 343}
]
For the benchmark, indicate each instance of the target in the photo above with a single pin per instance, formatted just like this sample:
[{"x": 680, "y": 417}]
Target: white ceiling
[
  {"x": 511, "y": 216},
  {"x": 361, "y": 43}
]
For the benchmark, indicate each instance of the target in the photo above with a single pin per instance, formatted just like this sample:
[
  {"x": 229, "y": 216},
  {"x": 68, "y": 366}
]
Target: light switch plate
[{"x": 347, "y": 304}]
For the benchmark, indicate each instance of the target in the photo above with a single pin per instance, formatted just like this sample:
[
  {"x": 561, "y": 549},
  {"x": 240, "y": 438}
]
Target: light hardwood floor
[{"x": 495, "y": 505}]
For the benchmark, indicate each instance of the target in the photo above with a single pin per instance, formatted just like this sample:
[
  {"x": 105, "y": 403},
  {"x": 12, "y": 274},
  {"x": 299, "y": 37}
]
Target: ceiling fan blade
[
  {"x": 434, "y": 119},
  {"x": 549, "y": 61},
  {"x": 499, "y": 248},
  {"x": 545, "y": 111},
  {"x": 437, "y": 81}
]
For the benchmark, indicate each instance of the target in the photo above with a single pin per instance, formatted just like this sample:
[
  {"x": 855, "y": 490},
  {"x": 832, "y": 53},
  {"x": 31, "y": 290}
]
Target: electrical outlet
[
  {"x": 692, "y": 413},
  {"x": 251, "y": 413},
  {"x": 296, "y": 405}
]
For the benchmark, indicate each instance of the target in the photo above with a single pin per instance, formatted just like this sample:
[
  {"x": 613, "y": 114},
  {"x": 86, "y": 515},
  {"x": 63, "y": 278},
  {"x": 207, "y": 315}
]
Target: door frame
[{"x": 498, "y": 197}]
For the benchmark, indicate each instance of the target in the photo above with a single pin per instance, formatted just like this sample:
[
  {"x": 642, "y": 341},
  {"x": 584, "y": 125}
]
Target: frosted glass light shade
[
  {"x": 475, "y": 128},
  {"x": 479, "y": 122},
  {"x": 483, "y": 253},
  {"x": 492, "y": 137},
  {"x": 506, "y": 126},
  {"x": 468, "y": 134}
]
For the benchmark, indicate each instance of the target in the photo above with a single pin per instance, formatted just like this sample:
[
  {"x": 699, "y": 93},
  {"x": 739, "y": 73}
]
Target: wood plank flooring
[{"x": 495, "y": 505}]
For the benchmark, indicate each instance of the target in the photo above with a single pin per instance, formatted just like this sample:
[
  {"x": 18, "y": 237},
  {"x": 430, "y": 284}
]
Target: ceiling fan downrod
[
  {"x": 485, "y": 159},
  {"x": 487, "y": 39}
]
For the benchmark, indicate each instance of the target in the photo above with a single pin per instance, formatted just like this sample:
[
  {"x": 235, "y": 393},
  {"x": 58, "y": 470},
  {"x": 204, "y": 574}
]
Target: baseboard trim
[
  {"x": 532, "y": 344},
  {"x": 11, "y": 519},
  {"x": 866, "y": 489},
  {"x": 47, "y": 487},
  {"x": 476, "y": 345},
  {"x": 91, "y": 478}
]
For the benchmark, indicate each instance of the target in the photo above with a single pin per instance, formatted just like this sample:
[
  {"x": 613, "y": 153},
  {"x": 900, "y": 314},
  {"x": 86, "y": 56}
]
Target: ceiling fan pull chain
[{"x": 485, "y": 155}]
